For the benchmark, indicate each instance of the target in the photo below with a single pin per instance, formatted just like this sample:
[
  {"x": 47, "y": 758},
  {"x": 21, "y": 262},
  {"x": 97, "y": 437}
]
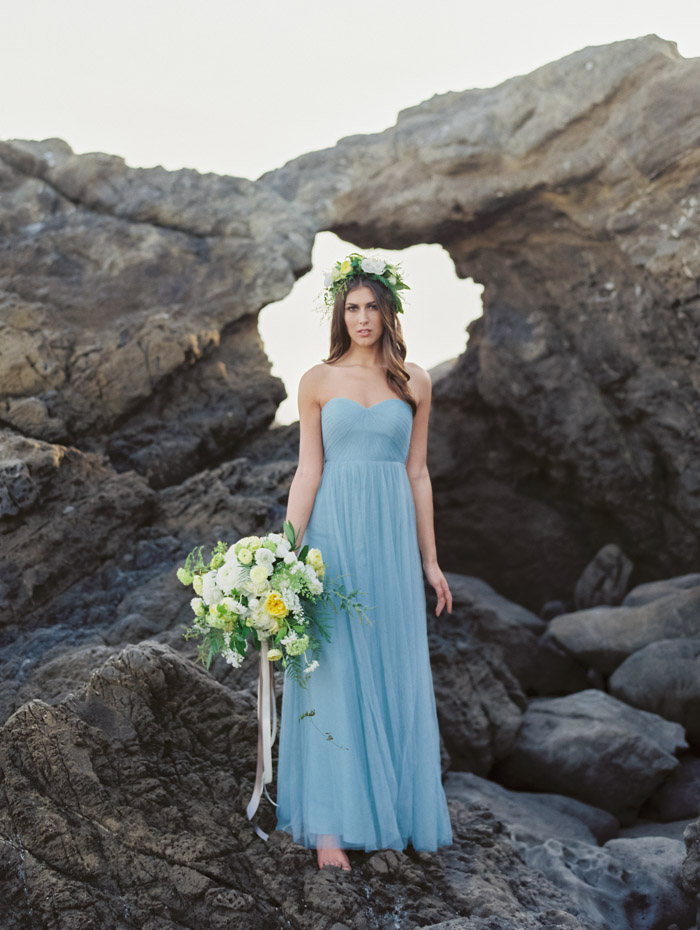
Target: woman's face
[{"x": 363, "y": 317}]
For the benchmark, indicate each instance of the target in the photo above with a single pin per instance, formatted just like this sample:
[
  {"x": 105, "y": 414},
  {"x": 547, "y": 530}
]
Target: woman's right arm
[{"x": 302, "y": 492}]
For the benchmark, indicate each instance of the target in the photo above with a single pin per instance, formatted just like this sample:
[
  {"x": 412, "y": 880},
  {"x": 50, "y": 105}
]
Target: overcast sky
[{"x": 241, "y": 88}]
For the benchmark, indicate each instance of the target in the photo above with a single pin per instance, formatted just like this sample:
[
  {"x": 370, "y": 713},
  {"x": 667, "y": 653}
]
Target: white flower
[
  {"x": 328, "y": 279},
  {"x": 229, "y": 576},
  {"x": 373, "y": 265},
  {"x": 311, "y": 667},
  {"x": 290, "y": 637},
  {"x": 265, "y": 557},
  {"x": 197, "y": 605},
  {"x": 233, "y": 656},
  {"x": 233, "y": 605},
  {"x": 211, "y": 592},
  {"x": 253, "y": 602},
  {"x": 290, "y": 558}
]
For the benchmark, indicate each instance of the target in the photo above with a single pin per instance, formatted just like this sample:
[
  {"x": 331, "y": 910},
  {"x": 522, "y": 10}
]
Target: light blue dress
[{"x": 375, "y": 784}]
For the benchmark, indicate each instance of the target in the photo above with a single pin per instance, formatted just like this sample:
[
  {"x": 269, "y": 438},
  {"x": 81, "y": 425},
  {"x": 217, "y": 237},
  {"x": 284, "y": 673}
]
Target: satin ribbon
[{"x": 267, "y": 732}]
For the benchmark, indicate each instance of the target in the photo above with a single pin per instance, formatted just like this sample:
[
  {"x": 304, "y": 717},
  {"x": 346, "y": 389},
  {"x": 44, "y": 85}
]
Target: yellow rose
[
  {"x": 346, "y": 266},
  {"x": 245, "y": 556},
  {"x": 274, "y": 605},
  {"x": 315, "y": 560},
  {"x": 254, "y": 542},
  {"x": 274, "y": 654}
]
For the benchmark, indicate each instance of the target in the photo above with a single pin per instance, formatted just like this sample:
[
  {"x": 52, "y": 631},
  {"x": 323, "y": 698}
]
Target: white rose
[
  {"x": 290, "y": 558},
  {"x": 211, "y": 592},
  {"x": 265, "y": 557},
  {"x": 197, "y": 605},
  {"x": 229, "y": 576},
  {"x": 328, "y": 279},
  {"x": 373, "y": 265},
  {"x": 253, "y": 602}
]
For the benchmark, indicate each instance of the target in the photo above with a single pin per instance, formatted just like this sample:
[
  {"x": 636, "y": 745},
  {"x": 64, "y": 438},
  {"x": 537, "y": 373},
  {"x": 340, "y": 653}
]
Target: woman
[{"x": 359, "y": 756}]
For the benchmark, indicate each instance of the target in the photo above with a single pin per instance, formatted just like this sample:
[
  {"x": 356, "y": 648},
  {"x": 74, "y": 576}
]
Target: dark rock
[
  {"x": 479, "y": 703},
  {"x": 592, "y": 747},
  {"x": 604, "y": 579},
  {"x": 678, "y": 796},
  {"x": 664, "y": 677},
  {"x": 539, "y": 664},
  {"x": 653, "y": 590},
  {"x": 125, "y": 802}
]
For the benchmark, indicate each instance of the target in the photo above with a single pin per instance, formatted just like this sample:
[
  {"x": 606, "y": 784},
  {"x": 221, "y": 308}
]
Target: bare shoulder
[
  {"x": 420, "y": 382},
  {"x": 311, "y": 383}
]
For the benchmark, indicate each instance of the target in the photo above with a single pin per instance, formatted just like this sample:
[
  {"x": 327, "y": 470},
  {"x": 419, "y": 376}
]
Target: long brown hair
[{"x": 393, "y": 348}]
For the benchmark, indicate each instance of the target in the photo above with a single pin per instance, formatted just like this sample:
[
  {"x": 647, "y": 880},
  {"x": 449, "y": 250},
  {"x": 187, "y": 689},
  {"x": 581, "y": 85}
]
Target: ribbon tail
[{"x": 267, "y": 731}]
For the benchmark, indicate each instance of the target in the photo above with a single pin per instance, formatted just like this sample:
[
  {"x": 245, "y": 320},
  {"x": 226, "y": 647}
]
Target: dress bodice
[{"x": 355, "y": 433}]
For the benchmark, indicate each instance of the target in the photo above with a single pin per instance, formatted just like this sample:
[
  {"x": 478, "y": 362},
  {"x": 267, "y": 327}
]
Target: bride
[{"x": 366, "y": 773}]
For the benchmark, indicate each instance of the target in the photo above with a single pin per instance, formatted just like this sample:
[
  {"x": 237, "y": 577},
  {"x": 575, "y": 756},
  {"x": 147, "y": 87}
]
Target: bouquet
[{"x": 259, "y": 591}]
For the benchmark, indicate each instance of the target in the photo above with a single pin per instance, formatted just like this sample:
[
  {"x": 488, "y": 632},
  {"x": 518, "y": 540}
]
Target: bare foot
[{"x": 329, "y": 855}]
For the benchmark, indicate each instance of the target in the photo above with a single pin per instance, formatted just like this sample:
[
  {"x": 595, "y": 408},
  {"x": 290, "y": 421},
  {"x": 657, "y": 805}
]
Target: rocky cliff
[{"x": 135, "y": 400}]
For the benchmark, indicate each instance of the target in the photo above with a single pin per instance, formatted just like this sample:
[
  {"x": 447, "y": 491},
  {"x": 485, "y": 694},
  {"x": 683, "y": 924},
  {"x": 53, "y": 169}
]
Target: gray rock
[
  {"x": 592, "y": 747},
  {"x": 653, "y": 590},
  {"x": 604, "y": 579},
  {"x": 532, "y": 818},
  {"x": 678, "y": 796},
  {"x": 540, "y": 666},
  {"x": 672, "y": 830},
  {"x": 630, "y": 884},
  {"x": 603, "y": 637},
  {"x": 664, "y": 677}
]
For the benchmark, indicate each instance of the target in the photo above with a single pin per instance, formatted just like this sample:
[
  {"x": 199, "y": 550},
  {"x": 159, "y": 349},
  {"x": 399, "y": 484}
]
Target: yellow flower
[
  {"x": 245, "y": 556},
  {"x": 346, "y": 266},
  {"x": 197, "y": 584},
  {"x": 315, "y": 560},
  {"x": 274, "y": 605},
  {"x": 254, "y": 542},
  {"x": 274, "y": 654}
]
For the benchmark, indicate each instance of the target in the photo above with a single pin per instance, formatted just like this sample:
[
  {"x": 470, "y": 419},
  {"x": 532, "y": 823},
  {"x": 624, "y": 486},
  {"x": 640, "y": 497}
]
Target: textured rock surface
[
  {"x": 124, "y": 805},
  {"x": 664, "y": 678},
  {"x": 678, "y": 796},
  {"x": 479, "y": 702},
  {"x": 592, "y": 747},
  {"x": 603, "y": 637},
  {"x": 539, "y": 664}
]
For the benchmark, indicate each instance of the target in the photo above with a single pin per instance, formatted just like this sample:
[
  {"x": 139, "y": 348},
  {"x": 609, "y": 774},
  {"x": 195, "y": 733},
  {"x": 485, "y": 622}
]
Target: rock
[
  {"x": 128, "y": 798},
  {"x": 664, "y": 677},
  {"x": 532, "y": 818},
  {"x": 540, "y": 665},
  {"x": 673, "y": 830},
  {"x": 479, "y": 703},
  {"x": 653, "y": 590},
  {"x": 690, "y": 870},
  {"x": 604, "y": 579},
  {"x": 629, "y": 883},
  {"x": 65, "y": 513},
  {"x": 592, "y": 747},
  {"x": 179, "y": 265},
  {"x": 678, "y": 796},
  {"x": 603, "y": 637}
]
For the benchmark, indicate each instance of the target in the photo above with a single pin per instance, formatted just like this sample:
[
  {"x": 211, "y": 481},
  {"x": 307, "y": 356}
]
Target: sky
[{"x": 241, "y": 88}]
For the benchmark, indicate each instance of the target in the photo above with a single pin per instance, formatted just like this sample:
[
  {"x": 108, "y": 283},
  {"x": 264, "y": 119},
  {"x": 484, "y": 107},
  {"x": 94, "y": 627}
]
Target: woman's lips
[{"x": 364, "y": 332}]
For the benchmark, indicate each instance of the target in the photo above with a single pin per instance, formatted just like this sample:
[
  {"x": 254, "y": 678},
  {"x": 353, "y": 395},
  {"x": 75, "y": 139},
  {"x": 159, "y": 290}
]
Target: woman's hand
[{"x": 437, "y": 580}]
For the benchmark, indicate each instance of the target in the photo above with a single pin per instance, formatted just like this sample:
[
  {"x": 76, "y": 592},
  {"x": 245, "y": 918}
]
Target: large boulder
[
  {"x": 664, "y": 678},
  {"x": 603, "y": 637},
  {"x": 125, "y": 804},
  {"x": 479, "y": 702},
  {"x": 538, "y": 663},
  {"x": 592, "y": 747}
]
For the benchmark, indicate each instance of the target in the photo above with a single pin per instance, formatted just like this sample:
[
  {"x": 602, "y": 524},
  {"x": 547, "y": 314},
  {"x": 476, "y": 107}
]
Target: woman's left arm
[{"x": 417, "y": 469}]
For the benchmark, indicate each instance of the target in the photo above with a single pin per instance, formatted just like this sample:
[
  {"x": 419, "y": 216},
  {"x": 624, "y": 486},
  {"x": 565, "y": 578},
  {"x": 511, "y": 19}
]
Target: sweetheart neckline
[{"x": 385, "y": 401}]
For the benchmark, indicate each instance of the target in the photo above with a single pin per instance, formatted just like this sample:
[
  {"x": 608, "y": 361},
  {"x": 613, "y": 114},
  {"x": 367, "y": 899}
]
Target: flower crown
[{"x": 341, "y": 274}]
